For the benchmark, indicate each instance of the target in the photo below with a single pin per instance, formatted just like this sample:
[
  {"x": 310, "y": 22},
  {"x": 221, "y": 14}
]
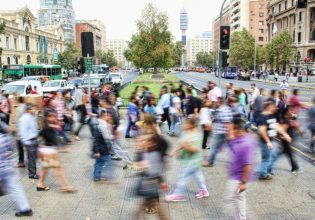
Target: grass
[{"x": 167, "y": 77}]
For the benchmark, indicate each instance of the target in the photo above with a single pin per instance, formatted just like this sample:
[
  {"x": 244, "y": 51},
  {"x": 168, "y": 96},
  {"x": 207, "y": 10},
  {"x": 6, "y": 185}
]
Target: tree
[
  {"x": 2, "y": 27},
  {"x": 205, "y": 59},
  {"x": 107, "y": 58},
  {"x": 178, "y": 51},
  {"x": 152, "y": 45},
  {"x": 282, "y": 46},
  {"x": 68, "y": 58},
  {"x": 242, "y": 49}
]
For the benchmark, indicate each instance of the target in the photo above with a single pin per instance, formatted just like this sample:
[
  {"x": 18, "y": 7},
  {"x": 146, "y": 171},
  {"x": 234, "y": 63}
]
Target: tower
[
  {"x": 58, "y": 12},
  {"x": 183, "y": 27}
]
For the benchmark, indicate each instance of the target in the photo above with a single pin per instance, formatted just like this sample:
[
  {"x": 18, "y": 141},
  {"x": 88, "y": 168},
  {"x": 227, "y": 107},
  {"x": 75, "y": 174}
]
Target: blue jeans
[
  {"x": 104, "y": 161},
  {"x": 275, "y": 154},
  {"x": 218, "y": 141},
  {"x": 175, "y": 120},
  {"x": 268, "y": 158},
  {"x": 184, "y": 178},
  {"x": 13, "y": 186},
  {"x": 130, "y": 125}
]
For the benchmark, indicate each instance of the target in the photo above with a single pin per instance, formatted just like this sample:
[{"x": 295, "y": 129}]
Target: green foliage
[
  {"x": 206, "y": 59},
  {"x": 152, "y": 45},
  {"x": 107, "y": 58},
  {"x": 68, "y": 58},
  {"x": 2, "y": 27},
  {"x": 179, "y": 50},
  {"x": 242, "y": 49}
]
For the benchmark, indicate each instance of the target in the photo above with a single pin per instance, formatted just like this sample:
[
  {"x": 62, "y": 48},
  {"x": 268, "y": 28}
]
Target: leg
[
  {"x": 312, "y": 145},
  {"x": 235, "y": 201},
  {"x": 265, "y": 159},
  {"x": 42, "y": 177},
  {"x": 109, "y": 168},
  {"x": 14, "y": 187},
  {"x": 98, "y": 166},
  {"x": 128, "y": 128},
  {"x": 241, "y": 206},
  {"x": 76, "y": 133},
  {"x": 182, "y": 182},
  {"x": 274, "y": 155},
  {"x": 218, "y": 141},
  {"x": 168, "y": 119},
  {"x": 205, "y": 139},
  {"x": 288, "y": 151},
  {"x": 31, "y": 157},
  {"x": 20, "y": 149},
  {"x": 63, "y": 181},
  {"x": 200, "y": 179},
  {"x": 120, "y": 152}
]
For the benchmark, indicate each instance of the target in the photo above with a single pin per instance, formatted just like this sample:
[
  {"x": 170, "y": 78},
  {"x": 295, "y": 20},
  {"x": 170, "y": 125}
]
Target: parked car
[
  {"x": 97, "y": 83},
  {"x": 78, "y": 81},
  {"x": 23, "y": 87},
  {"x": 41, "y": 79},
  {"x": 56, "y": 85},
  {"x": 117, "y": 78}
]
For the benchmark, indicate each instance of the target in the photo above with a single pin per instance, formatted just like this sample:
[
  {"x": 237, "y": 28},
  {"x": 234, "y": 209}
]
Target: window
[
  {"x": 300, "y": 16},
  {"x": 15, "y": 43},
  {"x": 293, "y": 19},
  {"x": 261, "y": 23},
  {"x": 7, "y": 42},
  {"x": 261, "y": 31},
  {"x": 279, "y": 8},
  {"x": 55, "y": 2},
  {"x": 292, "y": 3},
  {"x": 261, "y": 14},
  {"x": 285, "y": 5},
  {"x": 27, "y": 43},
  {"x": 293, "y": 36},
  {"x": 299, "y": 37},
  {"x": 273, "y": 10},
  {"x": 8, "y": 61},
  {"x": 261, "y": 39}
]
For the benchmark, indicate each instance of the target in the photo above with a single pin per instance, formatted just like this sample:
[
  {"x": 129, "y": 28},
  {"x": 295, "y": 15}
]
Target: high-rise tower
[
  {"x": 58, "y": 12},
  {"x": 183, "y": 24}
]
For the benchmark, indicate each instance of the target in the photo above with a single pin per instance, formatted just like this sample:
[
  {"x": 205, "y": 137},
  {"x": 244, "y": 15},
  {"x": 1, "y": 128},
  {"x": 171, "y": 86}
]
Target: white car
[
  {"x": 22, "y": 87},
  {"x": 117, "y": 78},
  {"x": 56, "y": 85}
]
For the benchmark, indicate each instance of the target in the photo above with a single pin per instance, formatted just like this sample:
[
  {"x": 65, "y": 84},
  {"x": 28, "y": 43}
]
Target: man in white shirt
[
  {"x": 165, "y": 103},
  {"x": 214, "y": 93},
  {"x": 255, "y": 93},
  {"x": 284, "y": 87}
]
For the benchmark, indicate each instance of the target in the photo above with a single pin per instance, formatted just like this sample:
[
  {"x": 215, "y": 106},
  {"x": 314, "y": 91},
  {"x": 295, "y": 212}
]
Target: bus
[
  {"x": 100, "y": 69},
  {"x": 230, "y": 72},
  {"x": 16, "y": 72}
]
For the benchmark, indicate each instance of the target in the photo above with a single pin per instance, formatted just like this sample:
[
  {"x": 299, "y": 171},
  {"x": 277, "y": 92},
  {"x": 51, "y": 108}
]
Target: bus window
[
  {"x": 49, "y": 72},
  {"x": 26, "y": 72}
]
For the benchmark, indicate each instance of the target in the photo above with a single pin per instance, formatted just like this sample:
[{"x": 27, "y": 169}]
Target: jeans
[
  {"x": 184, "y": 177},
  {"x": 218, "y": 141},
  {"x": 20, "y": 150},
  {"x": 104, "y": 161},
  {"x": 268, "y": 158},
  {"x": 130, "y": 125},
  {"x": 13, "y": 187},
  {"x": 175, "y": 120},
  {"x": 64, "y": 136},
  {"x": 89, "y": 123},
  {"x": 31, "y": 157},
  {"x": 236, "y": 200},
  {"x": 166, "y": 117},
  {"x": 312, "y": 144}
]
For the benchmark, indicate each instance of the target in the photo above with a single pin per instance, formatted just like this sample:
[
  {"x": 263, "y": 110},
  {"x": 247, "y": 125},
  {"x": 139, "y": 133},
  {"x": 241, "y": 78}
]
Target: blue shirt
[
  {"x": 165, "y": 101},
  {"x": 27, "y": 128}
]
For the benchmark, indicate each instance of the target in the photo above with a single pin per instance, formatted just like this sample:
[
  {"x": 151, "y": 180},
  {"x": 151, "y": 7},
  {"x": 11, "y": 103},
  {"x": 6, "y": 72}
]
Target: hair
[
  {"x": 295, "y": 92},
  {"x": 253, "y": 84},
  {"x": 268, "y": 102},
  {"x": 273, "y": 92},
  {"x": 238, "y": 122},
  {"x": 173, "y": 91},
  {"x": 192, "y": 121}
]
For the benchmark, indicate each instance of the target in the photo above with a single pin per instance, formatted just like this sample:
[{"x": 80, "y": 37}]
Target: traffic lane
[
  {"x": 129, "y": 77},
  {"x": 199, "y": 80}
]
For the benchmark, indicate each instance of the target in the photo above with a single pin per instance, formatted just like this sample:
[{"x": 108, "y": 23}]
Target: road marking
[{"x": 304, "y": 154}]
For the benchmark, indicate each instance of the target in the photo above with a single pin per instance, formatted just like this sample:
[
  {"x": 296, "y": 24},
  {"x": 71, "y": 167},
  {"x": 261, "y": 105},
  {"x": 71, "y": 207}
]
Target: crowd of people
[{"x": 209, "y": 120}]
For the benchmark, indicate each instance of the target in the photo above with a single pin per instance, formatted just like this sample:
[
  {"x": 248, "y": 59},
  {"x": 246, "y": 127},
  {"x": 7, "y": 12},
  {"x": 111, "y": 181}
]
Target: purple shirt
[{"x": 241, "y": 153}]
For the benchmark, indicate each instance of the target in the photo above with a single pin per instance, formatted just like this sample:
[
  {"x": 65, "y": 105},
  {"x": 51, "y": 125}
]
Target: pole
[
  {"x": 89, "y": 76},
  {"x": 255, "y": 55},
  {"x": 219, "y": 49}
]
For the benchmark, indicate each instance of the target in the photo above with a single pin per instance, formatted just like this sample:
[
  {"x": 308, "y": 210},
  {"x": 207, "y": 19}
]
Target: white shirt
[
  {"x": 284, "y": 86},
  {"x": 255, "y": 94},
  {"x": 165, "y": 100},
  {"x": 205, "y": 116},
  {"x": 214, "y": 94}
]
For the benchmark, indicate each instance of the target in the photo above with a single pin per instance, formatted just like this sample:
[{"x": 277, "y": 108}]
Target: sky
[{"x": 120, "y": 16}]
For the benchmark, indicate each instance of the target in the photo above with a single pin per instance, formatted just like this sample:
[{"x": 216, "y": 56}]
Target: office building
[
  {"x": 196, "y": 45},
  {"x": 239, "y": 14},
  {"x": 118, "y": 47}
]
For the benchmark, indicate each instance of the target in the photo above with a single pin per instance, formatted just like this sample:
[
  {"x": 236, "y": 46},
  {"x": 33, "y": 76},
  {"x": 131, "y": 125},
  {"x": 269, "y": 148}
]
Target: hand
[
  {"x": 242, "y": 187},
  {"x": 288, "y": 138},
  {"x": 269, "y": 144},
  {"x": 173, "y": 153},
  {"x": 97, "y": 155},
  {"x": 164, "y": 187}
]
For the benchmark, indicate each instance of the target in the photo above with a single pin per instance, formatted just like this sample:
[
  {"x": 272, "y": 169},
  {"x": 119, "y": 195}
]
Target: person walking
[
  {"x": 175, "y": 113},
  {"x": 206, "y": 122},
  {"x": 19, "y": 112},
  {"x": 284, "y": 86},
  {"x": 311, "y": 116},
  {"x": 241, "y": 159},
  {"x": 9, "y": 179},
  {"x": 133, "y": 116},
  {"x": 28, "y": 134},
  {"x": 190, "y": 154},
  {"x": 165, "y": 103}
]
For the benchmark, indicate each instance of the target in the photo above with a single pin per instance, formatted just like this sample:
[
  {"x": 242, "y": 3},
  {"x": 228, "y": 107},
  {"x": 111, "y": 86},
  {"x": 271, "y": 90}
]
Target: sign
[
  {"x": 55, "y": 55},
  {"x": 89, "y": 64}
]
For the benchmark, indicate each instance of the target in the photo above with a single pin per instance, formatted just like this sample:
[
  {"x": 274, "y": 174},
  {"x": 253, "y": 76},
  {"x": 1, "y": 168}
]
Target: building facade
[
  {"x": 239, "y": 15},
  {"x": 24, "y": 43},
  {"x": 258, "y": 21},
  {"x": 58, "y": 12},
  {"x": 86, "y": 26},
  {"x": 196, "y": 45},
  {"x": 300, "y": 23},
  {"x": 118, "y": 47}
]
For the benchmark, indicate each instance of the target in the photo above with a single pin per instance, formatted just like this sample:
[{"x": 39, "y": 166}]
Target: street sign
[
  {"x": 55, "y": 55},
  {"x": 89, "y": 64}
]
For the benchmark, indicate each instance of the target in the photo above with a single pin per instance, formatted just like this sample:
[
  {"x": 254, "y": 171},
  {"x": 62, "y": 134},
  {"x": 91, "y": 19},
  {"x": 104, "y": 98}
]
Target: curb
[{"x": 277, "y": 83}]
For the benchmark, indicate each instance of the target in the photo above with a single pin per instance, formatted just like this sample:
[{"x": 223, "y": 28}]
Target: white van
[{"x": 23, "y": 87}]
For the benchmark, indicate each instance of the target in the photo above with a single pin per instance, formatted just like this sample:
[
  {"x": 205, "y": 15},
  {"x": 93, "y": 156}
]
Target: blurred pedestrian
[
  {"x": 175, "y": 113},
  {"x": 190, "y": 154},
  {"x": 6, "y": 107},
  {"x": 229, "y": 90},
  {"x": 19, "y": 112},
  {"x": 28, "y": 134},
  {"x": 311, "y": 117},
  {"x": 284, "y": 86},
  {"x": 206, "y": 122},
  {"x": 165, "y": 103},
  {"x": 133, "y": 116},
  {"x": 295, "y": 102},
  {"x": 241, "y": 159},
  {"x": 215, "y": 92}
]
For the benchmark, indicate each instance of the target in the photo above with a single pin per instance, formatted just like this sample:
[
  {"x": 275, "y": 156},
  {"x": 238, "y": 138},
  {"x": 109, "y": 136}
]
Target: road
[
  {"x": 129, "y": 77},
  {"x": 301, "y": 144}
]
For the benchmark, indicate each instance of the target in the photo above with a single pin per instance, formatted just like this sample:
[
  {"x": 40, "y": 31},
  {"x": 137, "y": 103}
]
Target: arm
[
  {"x": 246, "y": 172},
  {"x": 189, "y": 147},
  {"x": 283, "y": 132},
  {"x": 263, "y": 132}
]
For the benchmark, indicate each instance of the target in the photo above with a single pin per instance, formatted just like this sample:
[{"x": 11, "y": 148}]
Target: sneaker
[
  {"x": 175, "y": 198},
  {"x": 20, "y": 165},
  {"x": 127, "y": 136},
  {"x": 24, "y": 213},
  {"x": 202, "y": 193},
  {"x": 268, "y": 177}
]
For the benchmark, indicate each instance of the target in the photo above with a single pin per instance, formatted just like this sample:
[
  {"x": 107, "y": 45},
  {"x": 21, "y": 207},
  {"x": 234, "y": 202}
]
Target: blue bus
[{"x": 230, "y": 72}]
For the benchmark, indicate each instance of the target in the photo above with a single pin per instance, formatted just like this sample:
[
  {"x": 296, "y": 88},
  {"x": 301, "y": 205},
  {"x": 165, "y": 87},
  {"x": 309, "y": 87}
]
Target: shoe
[
  {"x": 296, "y": 171},
  {"x": 20, "y": 165},
  {"x": 207, "y": 164},
  {"x": 203, "y": 193},
  {"x": 24, "y": 213},
  {"x": 268, "y": 177},
  {"x": 175, "y": 198},
  {"x": 77, "y": 138},
  {"x": 35, "y": 177},
  {"x": 45, "y": 188},
  {"x": 116, "y": 158},
  {"x": 127, "y": 136}
]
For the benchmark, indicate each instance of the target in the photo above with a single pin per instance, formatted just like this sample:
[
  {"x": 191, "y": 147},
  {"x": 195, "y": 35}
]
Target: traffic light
[
  {"x": 302, "y": 4},
  {"x": 225, "y": 37},
  {"x": 224, "y": 58}
]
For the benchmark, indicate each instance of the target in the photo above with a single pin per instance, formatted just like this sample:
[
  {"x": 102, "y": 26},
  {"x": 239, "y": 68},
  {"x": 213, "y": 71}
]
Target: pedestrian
[
  {"x": 6, "y": 107},
  {"x": 229, "y": 90},
  {"x": 50, "y": 157},
  {"x": 284, "y": 88},
  {"x": 165, "y": 103},
  {"x": 182, "y": 96},
  {"x": 175, "y": 113},
  {"x": 191, "y": 104},
  {"x": 28, "y": 134},
  {"x": 269, "y": 129},
  {"x": 222, "y": 118},
  {"x": 215, "y": 92},
  {"x": 311, "y": 117},
  {"x": 276, "y": 76},
  {"x": 151, "y": 107},
  {"x": 241, "y": 159},
  {"x": 78, "y": 95},
  {"x": 258, "y": 105},
  {"x": 190, "y": 154},
  {"x": 10, "y": 182},
  {"x": 19, "y": 112},
  {"x": 295, "y": 102},
  {"x": 34, "y": 91},
  {"x": 206, "y": 122},
  {"x": 102, "y": 146},
  {"x": 133, "y": 116}
]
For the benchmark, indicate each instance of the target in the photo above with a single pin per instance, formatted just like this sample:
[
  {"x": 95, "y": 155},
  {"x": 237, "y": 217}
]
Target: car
[
  {"x": 56, "y": 85},
  {"x": 42, "y": 79},
  {"x": 97, "y": 83},
  {"x": 117, "y": 78},
  {"x": 23, "y": 87},
  {"x": 75, "y": 81}
]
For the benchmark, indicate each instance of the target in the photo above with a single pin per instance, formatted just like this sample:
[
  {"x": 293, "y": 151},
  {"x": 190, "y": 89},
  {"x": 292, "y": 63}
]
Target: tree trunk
[{"x": 155, "y": 70}]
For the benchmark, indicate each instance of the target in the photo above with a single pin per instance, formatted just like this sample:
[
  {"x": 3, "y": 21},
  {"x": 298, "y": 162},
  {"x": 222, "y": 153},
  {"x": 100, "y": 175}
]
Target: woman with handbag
[{"x": 50, "y": 158}]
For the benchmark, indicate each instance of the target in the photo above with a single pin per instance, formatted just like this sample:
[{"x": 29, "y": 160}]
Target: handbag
[{"x": 148, "y": 187}]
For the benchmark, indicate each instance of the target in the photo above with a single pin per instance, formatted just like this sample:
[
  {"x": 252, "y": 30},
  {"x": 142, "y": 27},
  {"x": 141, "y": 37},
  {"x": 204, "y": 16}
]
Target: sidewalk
[
  {"x": 304, "y": 85},
  {"x": 287, "y": 196}
]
